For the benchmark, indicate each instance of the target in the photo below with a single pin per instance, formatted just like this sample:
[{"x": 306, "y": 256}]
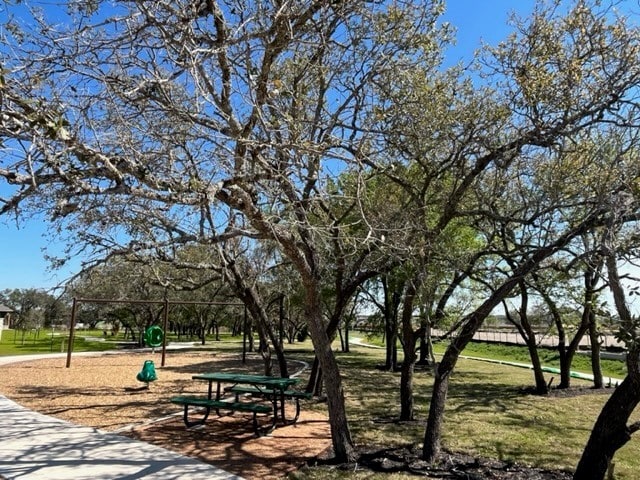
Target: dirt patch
[
  {"x": 452, "y": 465},
  {"x": 573, "y": 391},
  {"x": 102, "y": 392}
]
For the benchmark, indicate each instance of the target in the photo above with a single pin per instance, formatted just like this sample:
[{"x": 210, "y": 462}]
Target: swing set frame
[{"x": 165, "y": 317}]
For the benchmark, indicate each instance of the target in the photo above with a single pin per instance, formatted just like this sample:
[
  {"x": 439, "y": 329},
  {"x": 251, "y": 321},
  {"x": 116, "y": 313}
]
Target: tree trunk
[
  {"x": 596, "y": 368},
  {"x": 583, "y": 328},
  {"x": 565, "y": 353},
  {"x": 391, "y": 337},
  {"x": 426, "y": 356},
  {"x": 566, "y": 360},
  {"x": 529, "y": 336},
  {"x": 565, "y": 369},
  {"x": 409, "y": 349},
  {"x": 391, "y": 340},
  {"x": 314, "y": 385},
  {"x": 591, "y": 279},
  {"x": 346, "y": 337},
  {"x": 391, "y": 303},
  {"x": 542, "y": 388},
  {"x": 343, "y": 448},
  {"x": 470, "y": 326},
  {"x": 344, "y": 293},
  {"x": 425, "y": 349},
  {"x": 255, "y": 305},
  {"x": 315, "y": 376},
  {"x": 406, "y": 381},
  {"x": 610, "y": 432},
  {"x": 433, "y": 432},
  {"x": 257, "y": 312}
]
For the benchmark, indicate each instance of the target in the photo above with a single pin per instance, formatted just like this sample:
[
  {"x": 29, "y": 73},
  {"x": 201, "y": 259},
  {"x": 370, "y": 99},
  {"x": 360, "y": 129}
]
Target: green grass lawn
[
  {"x": 19, "y": 342},
  {"x": 23, "y": 342},
  {"x": 549, "y": 357},
  {"x": 488, "y": 414},
  {"x": 520, "y": 354}
]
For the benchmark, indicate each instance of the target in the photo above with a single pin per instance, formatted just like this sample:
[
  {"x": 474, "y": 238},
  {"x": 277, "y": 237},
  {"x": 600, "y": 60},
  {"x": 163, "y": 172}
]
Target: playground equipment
[
  {"x": 148, "y": 373},
  {"x": 153, "y": 336},
  {"x": 165, "y": 318}
]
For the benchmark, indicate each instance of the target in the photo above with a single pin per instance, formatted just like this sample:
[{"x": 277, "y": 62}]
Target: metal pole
[
  {"x": 281, "y": 321},
  {"x": 165, "y": 322},
  {"x": 244, "y": 337},
  {"x": 72, "y": 326}
]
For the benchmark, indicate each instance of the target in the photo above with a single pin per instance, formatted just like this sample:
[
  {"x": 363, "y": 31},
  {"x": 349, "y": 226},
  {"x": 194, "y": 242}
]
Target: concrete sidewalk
[{"x": 38, "y": 447}]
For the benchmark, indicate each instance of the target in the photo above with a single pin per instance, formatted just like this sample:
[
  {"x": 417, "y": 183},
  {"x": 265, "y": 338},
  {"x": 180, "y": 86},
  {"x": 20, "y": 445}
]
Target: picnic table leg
[
  {"x": 189, "y": 423},
  {"x": 297, "y": 414},
  {"x": 269, "y": 429},
  {"x": 281, "y": 397},
  {"x": 274, "y": 400},
  {"x": 295, "y": 418},
  {"x": 274, "y": 395}
]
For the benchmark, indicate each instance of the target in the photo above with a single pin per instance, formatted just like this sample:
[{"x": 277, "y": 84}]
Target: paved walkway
[{"x": 38, "y": 447}]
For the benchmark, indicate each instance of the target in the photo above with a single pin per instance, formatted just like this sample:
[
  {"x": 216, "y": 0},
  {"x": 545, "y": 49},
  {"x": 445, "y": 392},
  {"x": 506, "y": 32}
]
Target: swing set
[{"x": 156, "y": 334}]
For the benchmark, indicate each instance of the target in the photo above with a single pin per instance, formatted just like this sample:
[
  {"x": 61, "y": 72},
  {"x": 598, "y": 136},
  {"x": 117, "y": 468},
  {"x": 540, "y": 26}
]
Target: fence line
[{"x": 514, "y": 338}]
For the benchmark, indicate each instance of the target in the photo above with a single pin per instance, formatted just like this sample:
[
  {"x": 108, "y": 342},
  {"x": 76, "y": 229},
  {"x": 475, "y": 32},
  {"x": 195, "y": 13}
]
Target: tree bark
[
  {"x": 596, "y": 368},
  {"x": 409, "y": 349},
  {"x": 344, "y": 292},
  {"x": 433, "y": 434},
  {"x": 566, "y": 359},
  {"x": 391, "y": 303},
  {"x": 343, "y": 448},
  {"x": 406, "y": 382},
  {"x": 542, "y": 388},
  {"x": 610, "y": 431},
  {"x": 529, "y": 336},
  {"x": 591, "y": 277}
]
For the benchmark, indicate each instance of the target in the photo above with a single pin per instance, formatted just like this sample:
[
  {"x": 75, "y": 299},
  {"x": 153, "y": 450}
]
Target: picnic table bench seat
[
  {"x": 217, "y": 405},
  {"x": 292, "y": 394}
]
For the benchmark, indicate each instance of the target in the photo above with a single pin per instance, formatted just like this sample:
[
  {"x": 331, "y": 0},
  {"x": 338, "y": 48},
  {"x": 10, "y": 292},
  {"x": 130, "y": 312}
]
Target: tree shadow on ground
[
  {"x": 228, "y": 442},
  {"x": 480, "y": 394},
  {"x": 101, "y": 402}
]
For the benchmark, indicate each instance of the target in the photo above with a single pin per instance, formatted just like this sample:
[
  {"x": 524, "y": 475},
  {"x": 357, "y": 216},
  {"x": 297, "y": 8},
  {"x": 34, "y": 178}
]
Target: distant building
[
  {"x": 5, "y": 317},
  {"x": 5, "y": 313}
]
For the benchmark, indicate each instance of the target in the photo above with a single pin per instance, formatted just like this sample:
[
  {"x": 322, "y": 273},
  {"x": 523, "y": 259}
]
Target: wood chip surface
[{"x": 102, "y": 391}]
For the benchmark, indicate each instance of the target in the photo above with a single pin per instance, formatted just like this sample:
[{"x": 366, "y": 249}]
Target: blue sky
[
  {"x": 23, "y": 264},
  {"x": 481, "y": 21}
]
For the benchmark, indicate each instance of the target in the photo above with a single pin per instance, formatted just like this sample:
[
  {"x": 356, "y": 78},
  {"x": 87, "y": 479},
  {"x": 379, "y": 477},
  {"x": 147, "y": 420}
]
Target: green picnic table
[{"x": 271, "y": 388}]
